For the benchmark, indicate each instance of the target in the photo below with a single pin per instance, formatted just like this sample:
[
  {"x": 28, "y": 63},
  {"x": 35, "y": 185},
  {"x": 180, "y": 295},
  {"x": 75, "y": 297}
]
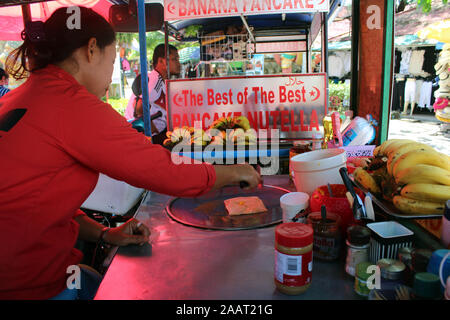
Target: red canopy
[{"x": 11, "y": 22}]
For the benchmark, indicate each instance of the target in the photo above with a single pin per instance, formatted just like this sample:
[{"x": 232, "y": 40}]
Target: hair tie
[{"x": 34, "y": 31}]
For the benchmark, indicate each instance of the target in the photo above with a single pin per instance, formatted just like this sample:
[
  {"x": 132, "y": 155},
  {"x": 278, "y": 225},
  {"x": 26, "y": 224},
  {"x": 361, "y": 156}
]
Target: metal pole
[
  {"x": 388, "y": 69},
  {"x": 26, "y": 13},
  {"x": 166, "y": 45},
  {"x": 355, "y": 57},
  {"x": 144, "y": 68}
]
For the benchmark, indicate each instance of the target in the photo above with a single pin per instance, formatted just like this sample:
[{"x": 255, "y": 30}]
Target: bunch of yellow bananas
[
  {"x": 413, "y": 175},
  {"x": 234, "y": 130}
]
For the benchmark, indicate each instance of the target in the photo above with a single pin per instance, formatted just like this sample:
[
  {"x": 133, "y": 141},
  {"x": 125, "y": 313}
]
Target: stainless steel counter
[{"x": 188, "y": 263}]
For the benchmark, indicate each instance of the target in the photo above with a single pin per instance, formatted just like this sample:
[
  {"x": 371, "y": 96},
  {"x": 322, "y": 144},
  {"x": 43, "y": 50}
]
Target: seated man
[
  {"x": 157, "y": 91},
  {"x": 3, "y": 82}
]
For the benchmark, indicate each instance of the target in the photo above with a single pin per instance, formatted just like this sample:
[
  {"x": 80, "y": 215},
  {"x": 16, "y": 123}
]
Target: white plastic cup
[{"x": 292, "y": 203}]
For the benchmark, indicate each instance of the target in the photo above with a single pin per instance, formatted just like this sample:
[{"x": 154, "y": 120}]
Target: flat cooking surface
[{"x": 208, "y": 211}]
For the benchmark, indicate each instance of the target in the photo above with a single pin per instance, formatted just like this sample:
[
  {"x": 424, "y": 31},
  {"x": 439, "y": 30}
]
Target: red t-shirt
[{"x": 55, "y": 138}]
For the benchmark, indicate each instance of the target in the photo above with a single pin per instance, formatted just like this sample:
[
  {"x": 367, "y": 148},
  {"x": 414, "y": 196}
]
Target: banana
[
  {"x": 395, "y": 145},
  {"x": 242, "y": 122},
  {"x": 180, "y": 135},
  {"x": 405, "y": 148},
  {"x": 411, "y": 206},
  {"x": 423, "y": 173},
  {"x": 426, "y": 192},
  {"x": 199, "y": 137},
  {"x": 414, "y": 157},
  {"x": 366, "y": 180},
  {"x": 379, "y": 151}
]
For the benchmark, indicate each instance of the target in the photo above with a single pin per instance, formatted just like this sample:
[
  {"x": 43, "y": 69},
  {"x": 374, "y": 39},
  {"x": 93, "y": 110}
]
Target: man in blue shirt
[{"x": 3, "y": 82}]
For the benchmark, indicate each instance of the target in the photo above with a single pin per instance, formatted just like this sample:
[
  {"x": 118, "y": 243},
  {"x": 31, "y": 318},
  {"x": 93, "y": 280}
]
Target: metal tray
[
  {"x": 389, "y": 208},
  {"x": 208, "y": 211}
]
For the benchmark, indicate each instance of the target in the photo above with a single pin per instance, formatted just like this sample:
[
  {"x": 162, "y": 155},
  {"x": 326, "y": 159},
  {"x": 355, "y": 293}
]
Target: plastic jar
[
  {"x": 293, "y": 257},
  {"x": 327, "y": 235},
  {"x": 361, "y": 278}
]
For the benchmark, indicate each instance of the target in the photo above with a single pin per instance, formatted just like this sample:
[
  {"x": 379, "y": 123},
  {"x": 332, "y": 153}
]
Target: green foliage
[
  {"x": 426, "y": 4},
  {"x": 192, "y": 31},
  {"x": 118, "y": 104},
  {"x": 338, "y": 93}
]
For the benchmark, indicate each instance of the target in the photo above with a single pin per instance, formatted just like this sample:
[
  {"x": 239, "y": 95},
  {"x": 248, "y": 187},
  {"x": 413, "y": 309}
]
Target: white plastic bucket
[{"x": 313, "y": 169}]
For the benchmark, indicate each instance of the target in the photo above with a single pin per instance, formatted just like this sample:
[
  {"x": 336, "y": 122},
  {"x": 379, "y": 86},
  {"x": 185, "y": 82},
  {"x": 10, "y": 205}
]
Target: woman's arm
[{"x": 130, "y": 232}]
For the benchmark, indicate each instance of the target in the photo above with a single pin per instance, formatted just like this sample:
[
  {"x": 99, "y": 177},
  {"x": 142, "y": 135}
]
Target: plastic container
[
  {"x": 445, "y": 232},
  {"x": 327, "y": 235},
  {"x": 112, "y": 196},
  {"x": 317, "y": 168},
  {"x": 293, "y": 257},
  {"x": 427, "y": 286},
  {"x": 447, "y": 289},
  {"x": 387, "y": 238},
  {"x": 294, "y": 206},
  {"x": 434, "y": 265},
  {"x": 358, "y": 133},
  {"x": 337, "y": 204}
]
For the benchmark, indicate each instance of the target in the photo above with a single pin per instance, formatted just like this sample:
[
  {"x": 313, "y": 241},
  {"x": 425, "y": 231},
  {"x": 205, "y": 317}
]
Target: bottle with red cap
[{"x": 293, "y": 257}]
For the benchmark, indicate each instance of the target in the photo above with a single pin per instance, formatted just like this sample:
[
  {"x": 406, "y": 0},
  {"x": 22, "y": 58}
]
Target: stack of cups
[{"x": 294, "y": 206}]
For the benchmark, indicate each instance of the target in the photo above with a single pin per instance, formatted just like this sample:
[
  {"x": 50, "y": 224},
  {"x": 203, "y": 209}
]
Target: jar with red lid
[{"x": 293, "y": 257}]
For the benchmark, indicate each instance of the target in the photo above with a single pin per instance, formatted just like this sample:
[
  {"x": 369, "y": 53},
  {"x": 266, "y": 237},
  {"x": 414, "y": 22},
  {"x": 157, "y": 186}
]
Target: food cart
[{"x": 185, "y": 261}]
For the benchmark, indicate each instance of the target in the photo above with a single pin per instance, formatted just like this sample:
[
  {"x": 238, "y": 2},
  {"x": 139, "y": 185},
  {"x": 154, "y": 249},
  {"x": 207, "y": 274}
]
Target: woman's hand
[
  {"x": 234, "y": 174},
  {"x": 131, "y": 232}
]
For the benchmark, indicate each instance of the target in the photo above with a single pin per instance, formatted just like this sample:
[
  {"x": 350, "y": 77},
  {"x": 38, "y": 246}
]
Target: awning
[
  {"x": 439, "y": 31},
  {"x": 11, "y": 21}
]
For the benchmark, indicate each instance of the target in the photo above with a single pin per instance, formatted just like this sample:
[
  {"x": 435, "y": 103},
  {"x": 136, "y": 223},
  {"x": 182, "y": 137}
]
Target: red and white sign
[
  {"x": 191, "y": 9},
  {"x": 294, "y": 104}
]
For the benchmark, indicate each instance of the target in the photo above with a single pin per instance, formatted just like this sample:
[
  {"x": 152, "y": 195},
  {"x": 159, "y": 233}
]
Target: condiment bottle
[
  {"x": 392, "y": 272},
  {"x": 358, "y": 243},
  {"x": 405, "y": 256},
  {"x": 327, "y": 235},
  {"x": 300, "y": 146},
  {"x": 361, "y": 278},
  {"x": 293, "y": 257}
]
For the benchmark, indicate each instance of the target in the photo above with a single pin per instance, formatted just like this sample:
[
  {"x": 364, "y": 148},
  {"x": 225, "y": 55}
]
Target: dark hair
[
  {"x": 3, "y": 74},
  {"x": 160, "y": 52},
  {"x": 54, "y": 41},
  {"x": 136, "y": 86}
]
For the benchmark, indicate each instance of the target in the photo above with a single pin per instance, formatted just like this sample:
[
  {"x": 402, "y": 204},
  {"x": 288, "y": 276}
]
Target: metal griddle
[{"x": 209, "y": 212}]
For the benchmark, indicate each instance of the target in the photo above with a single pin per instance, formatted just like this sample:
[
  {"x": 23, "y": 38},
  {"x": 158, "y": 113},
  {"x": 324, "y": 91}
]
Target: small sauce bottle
[
  {"x": 293, "y": 257},
  {"x": 358, "y": 243}
]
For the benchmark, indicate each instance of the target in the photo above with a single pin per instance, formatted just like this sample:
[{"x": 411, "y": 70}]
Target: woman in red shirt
[{"x": 56, "y": 135}]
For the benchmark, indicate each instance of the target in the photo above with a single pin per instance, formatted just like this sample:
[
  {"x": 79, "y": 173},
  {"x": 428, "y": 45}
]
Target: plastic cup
[{"x": 292, "y": 204}]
